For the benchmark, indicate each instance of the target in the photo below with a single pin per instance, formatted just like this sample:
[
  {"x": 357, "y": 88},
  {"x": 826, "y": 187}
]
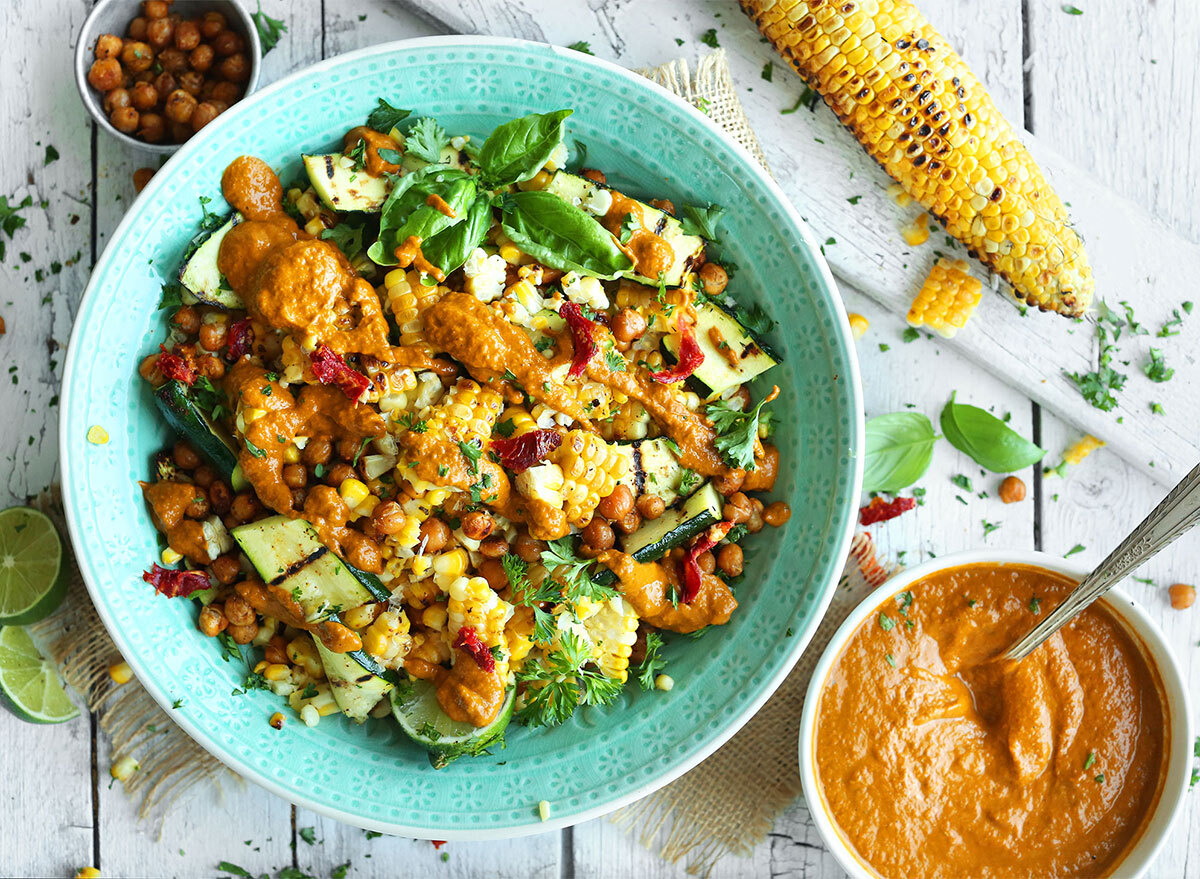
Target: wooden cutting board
[{"x": 842, "y": 193}]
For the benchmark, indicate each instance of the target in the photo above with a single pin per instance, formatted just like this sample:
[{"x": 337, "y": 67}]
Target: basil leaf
[
  {"x": 406, "y": 213},
  {"x": 450, "y": 248},
  {"x": 519, "y": 148},
  {"x": 899, "y": 449},
  {"x": 701, "y": 221},
  {"x": 987, "y": 440},
  {"x": 385, "y": 117},
  {"x": 559, "y": 235}
]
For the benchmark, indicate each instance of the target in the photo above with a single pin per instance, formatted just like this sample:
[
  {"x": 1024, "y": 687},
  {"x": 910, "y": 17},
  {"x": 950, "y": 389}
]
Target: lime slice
[
  {"x": 31, "y": 683},
  {"x": 33, "y": 577},
  {"x": 416, "y": 709}
]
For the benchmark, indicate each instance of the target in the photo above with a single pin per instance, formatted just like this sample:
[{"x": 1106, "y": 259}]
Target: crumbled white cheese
[
  {"x": 558, "y": 157},
  {"x": 459, "y": 142},
  {"x": 485, "y": 275},
  {"x": 599, "y": 202},
  {"x": 585, "y": 290}
]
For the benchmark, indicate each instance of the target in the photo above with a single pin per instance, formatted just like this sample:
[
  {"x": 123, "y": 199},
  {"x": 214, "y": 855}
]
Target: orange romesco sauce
[
  {"x": 170, "y": 502},
  {"x": 375, "y": 141},
  {"x": 646, "y": 586},
  {"x": 649, "y": 251},
  {"x": 935, "y": 761}
]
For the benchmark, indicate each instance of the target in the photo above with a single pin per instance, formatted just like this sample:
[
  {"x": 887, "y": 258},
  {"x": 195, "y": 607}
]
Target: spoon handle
[{"x": 1175, "y": 514}]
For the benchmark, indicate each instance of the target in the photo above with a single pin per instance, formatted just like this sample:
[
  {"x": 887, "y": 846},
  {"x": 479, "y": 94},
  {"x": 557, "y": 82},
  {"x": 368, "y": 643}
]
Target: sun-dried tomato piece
[
  {"x": 331, "y": 369},
  {"x": 692, "y": 579},
  {"x": 174, "y": 366},
  {"x": 175, "y": 584},
  {"x": 879, "y": 510},
  {"x": 690, "y": 358},
  {"x": 520, "y": 453},
  {"x": 583, "y": 337},
  {"x": 468, "y": 641},
  {"x": 241, "y": 337}
]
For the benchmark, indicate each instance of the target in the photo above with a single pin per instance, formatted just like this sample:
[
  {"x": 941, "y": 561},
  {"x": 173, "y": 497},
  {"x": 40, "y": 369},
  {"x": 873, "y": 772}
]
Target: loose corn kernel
[
  {"x": 310, "y": 715},
  {"x": 276, "y": 671},
  {"x": 544, "y": 810},
  {"x": 858, "y": 325},
  {"x": 540, "y": 180},
  {"x": 88, "y": 873},
  {"x": 434, "y": 616},
  {"x": 360, "y": 617},
  {"x": 902, "y": 198},
  {"x": 97, "y": 435},
  {"x": 302, "y": 652},
  {"x": 421, "y": 565},
  {"x": 664, "y": 683},
  {"x": 260, "y": 666},
  {"x": 451, "y": 564},
  {"x": 916, "y": 233},
  {"x": 276, "y": 720},
  {"x": 123, "y": 768},
  {"x": 309, "y": 343},
  {"x": 1080, "y": 450},
  {"x": 353, "y": 492},
  {"x": 291, "y": 454},
  {"x": 947, "y": 299},
  {"x": 170, "y": 557},
  {"x": 120, "y": 673},
  {"x": 510, "y": 254}
]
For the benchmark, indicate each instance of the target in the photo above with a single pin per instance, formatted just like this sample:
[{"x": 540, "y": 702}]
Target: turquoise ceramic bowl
[{"x": 648, "y": 141}]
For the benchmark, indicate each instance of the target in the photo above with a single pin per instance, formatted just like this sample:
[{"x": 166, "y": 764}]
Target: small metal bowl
[{"x": 113, "y": 17}]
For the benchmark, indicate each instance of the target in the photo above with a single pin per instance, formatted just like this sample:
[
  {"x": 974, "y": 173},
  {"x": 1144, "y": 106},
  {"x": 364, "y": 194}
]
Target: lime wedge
[
  {"x": 33, "y": 576},
  {"x": 30, "y": 683},
  {"x": 415, "y": 707}
]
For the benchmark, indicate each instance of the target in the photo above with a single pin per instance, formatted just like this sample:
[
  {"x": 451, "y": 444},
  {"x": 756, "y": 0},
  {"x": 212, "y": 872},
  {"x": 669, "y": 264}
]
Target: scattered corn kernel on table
[{"x": 1114, "y": 87}]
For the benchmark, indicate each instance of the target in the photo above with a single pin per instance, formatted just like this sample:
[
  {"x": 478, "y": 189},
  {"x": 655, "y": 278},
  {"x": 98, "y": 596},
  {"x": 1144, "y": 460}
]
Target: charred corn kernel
[
  {"x": 360, "y": 617},
  {"x": 666, "y": 683},
  {"x": 251, "y": 414},
  {"x": 420, "y": 566},
  {"x": 947, "y": 299},
  {"x": 613, "y": 630},
  {"x": 368, "y": 505},
  {"x": 540, "y": 180},
  {"x": 277, "y": 671},
  {"x": 123, "y": 768},
  {"x": 473, "y": 603},
  {"x": 309, "y": 343},
  {"x": 916, "y": 233},
  {"x": 522, "y": 421},
  {"x": 510, "y": 254},
  {"x": 1080, "y": 450},
  {"x": 97, "y": 435},
  {"x": 591, "y": 469},
  {"x": 260, "y": 666},
  {"x": 276, "y": 720},
  {"x": 544, "y": 810},
  {"x": 170, "y": 557},
  {"x": 467, "y": 413},
  {"x": 302, "y": 652},
  {"x": 309, "y": 715},
  {"x": 452, "y": 563},
  {"x": 407, "y": 298},
  {"x": 518, "y": 633},
  {"x": 353, "y": 492},
  {"x": 526, "y": 294},
  {"x": 315, "y": 227},
  {"x": 434, "y": 616},
  {"x": 388, "y": 637},
  {"x": 918, "y": 110},
  {"x": 858, "y": 325},
  {"x": 120, "y": 673},
  {"x": 88, "y": 873},
  {"x": 291, "y": 454},
  {"x": 631, "y": 421},
  {"x": 899, "y": 196}
]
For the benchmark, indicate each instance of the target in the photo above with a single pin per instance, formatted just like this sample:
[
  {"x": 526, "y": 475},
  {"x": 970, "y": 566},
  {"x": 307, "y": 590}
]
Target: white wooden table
[{"x": 1115, "y": 89}]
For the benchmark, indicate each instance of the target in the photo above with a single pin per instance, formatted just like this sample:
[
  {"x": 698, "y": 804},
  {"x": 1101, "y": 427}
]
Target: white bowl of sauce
[{"x": 919, "y": 757}]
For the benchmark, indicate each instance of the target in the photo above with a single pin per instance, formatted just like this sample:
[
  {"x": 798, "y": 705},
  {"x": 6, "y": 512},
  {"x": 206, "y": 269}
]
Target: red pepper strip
[
  {"x": 469, "y": 641},
  {"x": 690, "y": 358},
  {"x": 438, "y": 843},
  {"x": 520, "y": 453},
  {"x": 331, "y": 369},
  {"x": 241, "y": 337},
  {"x": 879, "y": 510},
  {"x": 175, "y": 584},
  {"x": 174, "y": 366},
  {"x": 583, "y": 337},
  {"x": 692, "y": 579}
]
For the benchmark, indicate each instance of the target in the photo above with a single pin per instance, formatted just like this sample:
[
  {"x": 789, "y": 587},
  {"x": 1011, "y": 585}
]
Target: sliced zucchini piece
[
  {"x": 688, "y": 249},
  {"x": 356, "y": 681},
  {"x": 654, "y": 469},
  {"x": 732, "y": 354},
  {"x": 288, "y": 553},
  {"x": 201, "y": 279},
  {"x": 416, "y": 709},
  {"x": 192, "y": 423},
  {"x": 342, "y": 187}
]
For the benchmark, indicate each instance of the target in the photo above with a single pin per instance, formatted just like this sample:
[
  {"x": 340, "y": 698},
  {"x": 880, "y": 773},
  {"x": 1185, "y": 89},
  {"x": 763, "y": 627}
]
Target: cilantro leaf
[
  {"x": 757, "y": 321},
  {"x": 561, "y": 681},
  {"x": 582, "y": 46},
  {"x": 525, "y": 593},
  {"x": 472, "y": 453},
  {"x": 572, "y": 572},
  {"x": 269, "y": 29},
  {"x": 701, "y": 221},
  {"x": 652, "y": 663},
  {"x": 736, "y": 432},
  {"x": 709, "y": 38},
  {"x": 1156, "y": 369},
  {"x": 426, "y": 139}
]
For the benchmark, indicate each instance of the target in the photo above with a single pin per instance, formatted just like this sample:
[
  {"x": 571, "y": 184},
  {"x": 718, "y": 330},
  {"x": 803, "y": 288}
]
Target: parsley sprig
[
  {"x": 652, "y": 664},
  {"x": 426, "y": 139},
  {"x": 562, "y": 681},
  {"x": 737, "y": 430},
  {"x": 525, "y": 593},
  {"x": 269, "y": 29},
  {"x": 571, "y": 573}
]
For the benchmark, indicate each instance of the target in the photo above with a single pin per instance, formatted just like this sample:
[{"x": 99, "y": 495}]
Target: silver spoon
[{"x": 1175, "y": 514}]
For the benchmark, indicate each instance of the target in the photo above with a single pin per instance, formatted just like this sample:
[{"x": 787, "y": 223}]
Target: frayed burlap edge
[{"x": 170, "y": 763}]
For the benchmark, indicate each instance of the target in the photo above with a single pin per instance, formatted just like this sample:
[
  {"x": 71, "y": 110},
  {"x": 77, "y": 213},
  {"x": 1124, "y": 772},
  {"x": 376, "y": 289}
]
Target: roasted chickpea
[
  {"x": 478, "y": 524},
  {"x": 244, "y": 506},
  {"x": 203, "y": 476},
  {"x": 212, "y": 620},
  {"x": 777, "y": 513},
  {"x": 493, "y": 547},
  {"x": 650, "y": 506},
  {"x": 388, "y": 517},
  {"x": 630, "y": 522},
  {"x": 1012, "y": 490},
  {"x": 316, "y": 451},
  {"x": 226, "y": 92},
  {"x": 221, "y": 496},
  {"x": 206, "y": 90},
  {"x": 528, "y": 548},
  {"x": 755, "y": 523},
  {"x": 137, "y": 28},
  {"x": 237, "y": 610},
  {"x": 347, "y": 448},
  {"x": 493, "y": 571},
  {"x": 205, "y": 113},
  {"x": 714, "y": 278},
  {"x": 159, "y": 32},
  {"x": 180, "y": 131},
  {"x": 365, "y": 555},
  {"x": 243, "y": 634},
  {"x": 227, "y": 42},
  {"x": 201, "y": 58},
  {"x": 187, "y": 36},
  {"x": 198, "y": 507},
  {"x": 124, "y": 119},
  {"x": 116, "y": 98},
  {"x": 729, "y": 483},
  {"x": 185, "y": 456},
  {"x": 628, "y": 325},
  {"x": 137, "y": 56},
  {"x": 235, "y": 68},
  {"x": 663, "y": 204},
  {"x": 190, "y": 81},
  {"x": 598, "y": 535},
  {"x": 729, "y": 559},
  {"x": 595, "y": 175},
  {"x": 143, "y": 76},
  {"x": 151, "y": 127},
  {"x": 180, "y": 106},
  {"x": 435, "y": 533},
  {"x": 227, "y": 569},
  {"x": 211, "y": 24},
  {"x": 210, "y": 366},
  {"x": 173, "y": 61},
  {"x": 164, "y": 84},
  {"x": 617, "y": 505},
  {"x": 338, "y": 473},
  {"x": 108, "y": 46},
  {"x": 737, "y": 508},
  {"x": 1182, "y": 595},
  {"x": 295, "y": 476},
  {"x": 707, "y": 561},
  {"x": 275, "y": 652},
  {"x": 213, "y": 335},
  {"x": 105, "y": 74},
  {"x": 148, "y": 369},
  {"x": 143, "y": 96},
  {"x": 154, "y": 9}
]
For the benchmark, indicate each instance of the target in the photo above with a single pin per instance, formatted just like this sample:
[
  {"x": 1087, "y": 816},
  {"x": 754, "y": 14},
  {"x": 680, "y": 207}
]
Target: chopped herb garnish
[
  {"x": 709, "y": 38},
  {"x": 582, "y": 46},
  {"x": 768, "y": 71},
  {"x": 963, "y": 482},
  {"x": 652, "y": 663},
  {"x": 988, "y": 528},
  {"x": 385, "y": 117},
  {"x": 308, "y": 834},
  {"x": 1090, "y": 761},
  {"x": 1035, "y": 604},
  {"x": 890, "y": 660},
  {"x": 1156, "y": 368},
  {"x": 886, "y": 622},
  {"x": 426, "y": 139},
  {"x": 269, "y": 29},
  {"x": 1079, "y": 547},
  {"x": 472, "y": 453}
]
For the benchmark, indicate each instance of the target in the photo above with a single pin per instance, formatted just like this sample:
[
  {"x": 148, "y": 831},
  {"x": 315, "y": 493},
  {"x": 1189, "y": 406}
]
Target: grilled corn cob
[
  {"x": 473, "y": 603},
  {"x": 468, "y": 413},
  {"x": 407, "y": 297},
  {"x": 613, "y": 629},
  {"x": 591, "y": 469},
  {"x": 947, "y": 299},
  {"x": 919, "y": 111}
]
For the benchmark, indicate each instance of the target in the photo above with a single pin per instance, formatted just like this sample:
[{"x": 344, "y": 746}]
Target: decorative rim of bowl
[
  {"x": 88, "y": 96},
  {"x": 1155, "y": 649},
  {"x": 799, "y": 641}
]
